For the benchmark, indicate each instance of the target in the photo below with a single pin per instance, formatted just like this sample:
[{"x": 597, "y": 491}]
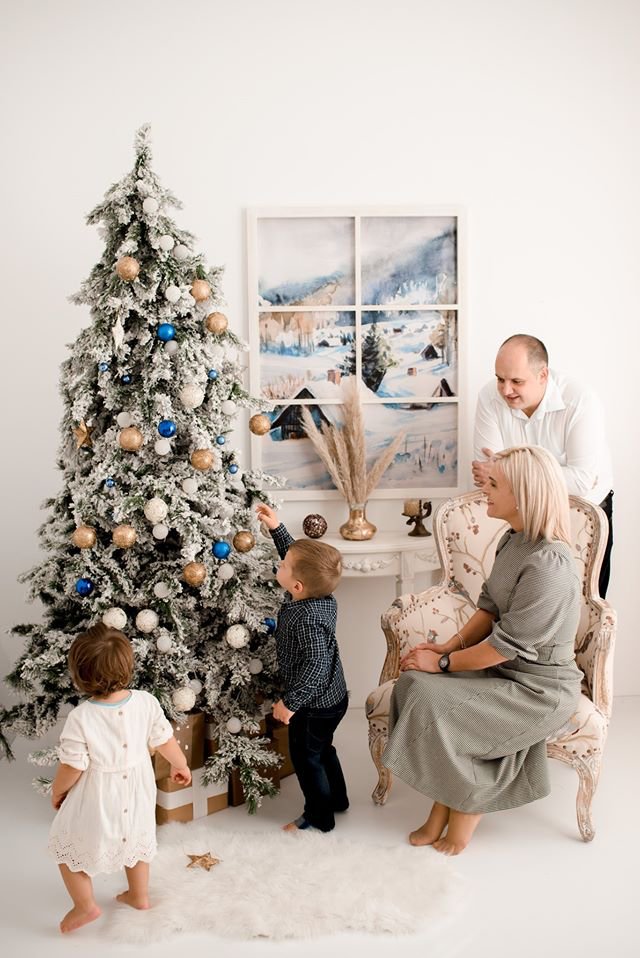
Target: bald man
[{"x": 529, "y": 404}]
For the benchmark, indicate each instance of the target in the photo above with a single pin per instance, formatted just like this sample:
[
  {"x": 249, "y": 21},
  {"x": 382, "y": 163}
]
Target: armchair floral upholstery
[{"x": 466, "y": 540}]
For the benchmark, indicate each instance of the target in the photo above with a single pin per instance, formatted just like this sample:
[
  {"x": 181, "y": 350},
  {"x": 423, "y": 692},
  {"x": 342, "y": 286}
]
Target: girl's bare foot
[
  {"x": 461, "y": 828},
  {"x": 290, "y": 827},
  {"x": 78, "y": 917},
  {"x": 433, "y": 828},
  {"x": 136, "y": 901}
]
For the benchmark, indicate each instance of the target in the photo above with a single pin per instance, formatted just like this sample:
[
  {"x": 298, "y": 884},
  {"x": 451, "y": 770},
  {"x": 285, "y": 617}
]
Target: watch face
[{"x": 443, "y": 662}]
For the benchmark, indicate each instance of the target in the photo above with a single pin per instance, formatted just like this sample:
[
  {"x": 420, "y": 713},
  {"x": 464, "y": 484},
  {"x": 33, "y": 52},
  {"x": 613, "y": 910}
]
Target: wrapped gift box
[
  {"x": 183, "y": 803},
  {"x": 190, "y": 738}
]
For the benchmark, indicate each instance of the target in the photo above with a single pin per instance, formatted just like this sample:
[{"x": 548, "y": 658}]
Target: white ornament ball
[
  {"x": 255, "y": 666},
  {"x": 190, "y": 486},
  {"x": 184, "y": 699},
  {"x": 226, "y": 572},
  {"x": 229, "y": 407},
  {"x": 164, "y": 643},
  {"x": 161, "y": 590},
  {"x": 180, "y": 252},
  {"x": 115, "y": 618},
  {"x": 150, "y": 205},
  {"x": 237, "y": 636},
  {"x": 191, "y": 396},
  {"x": 160, "y": 531},
  {"x": 124, "y": 419},
  {"x": 196, "y": 685},
  {"x": 147, "y": 620},
  {"x": 171, "y": 348},
  {"x": 172, "y": 294},
  {"x": 162, "y": 447},
  {"x": 234, "y": 725},
  {"x": 166, "y": 242},
  {"x": 156, "y": 509}
]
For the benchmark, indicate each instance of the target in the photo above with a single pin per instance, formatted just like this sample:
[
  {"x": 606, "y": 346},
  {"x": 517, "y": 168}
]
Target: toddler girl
[{"x": 105, "y": 788}]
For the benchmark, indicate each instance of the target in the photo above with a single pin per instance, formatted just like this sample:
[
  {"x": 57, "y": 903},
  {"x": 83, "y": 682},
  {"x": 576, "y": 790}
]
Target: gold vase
[{"x": 357, "y": 527}]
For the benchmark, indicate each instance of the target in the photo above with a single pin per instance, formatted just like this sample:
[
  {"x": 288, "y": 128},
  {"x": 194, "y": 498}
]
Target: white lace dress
[{"x": 108, "y": 819}]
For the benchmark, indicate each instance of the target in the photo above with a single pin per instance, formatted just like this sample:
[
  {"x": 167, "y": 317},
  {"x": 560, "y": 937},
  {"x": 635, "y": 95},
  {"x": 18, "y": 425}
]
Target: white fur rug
[{"x": 276, "y": 885}]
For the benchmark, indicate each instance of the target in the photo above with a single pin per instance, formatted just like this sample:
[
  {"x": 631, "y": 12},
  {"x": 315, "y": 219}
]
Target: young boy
[{"x": 314, "y": 700}]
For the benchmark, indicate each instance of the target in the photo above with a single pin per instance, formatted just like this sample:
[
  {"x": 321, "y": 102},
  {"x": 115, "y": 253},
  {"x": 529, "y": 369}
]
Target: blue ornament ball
[
  {"x": 109, "y": 482},
  {"x": 103, "y": 367},
  {"x": 233, "y": 468},
  {"x": 84, "y": 587},
  {"x": 221, "y": 549},
  {"x": 167, "y": 428},
  {"x": 270, "y": 624},
  {"x": 213, "y": 374},
  {"x": 165, "y": 332},
  {"x": 126, "y": 379},
  {"x": 220, "y": 440}
]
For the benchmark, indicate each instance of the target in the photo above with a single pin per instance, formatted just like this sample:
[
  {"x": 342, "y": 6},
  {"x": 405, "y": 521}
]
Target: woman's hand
[{"x": 421, "y": 660}]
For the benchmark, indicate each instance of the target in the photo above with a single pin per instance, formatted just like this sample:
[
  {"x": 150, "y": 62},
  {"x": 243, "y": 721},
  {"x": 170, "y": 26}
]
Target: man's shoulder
[{"x": 574, "y": 392}]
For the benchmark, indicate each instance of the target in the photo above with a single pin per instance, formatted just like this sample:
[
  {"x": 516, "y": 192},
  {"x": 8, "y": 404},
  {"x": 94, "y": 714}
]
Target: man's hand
[
  {"x": 181, "y": 775},
  {"x": 281, "y": 713},
  {"x": 420, "y": 660},
  {"x": 267, "y": 515},
  {"x": 480, "y": 467}
]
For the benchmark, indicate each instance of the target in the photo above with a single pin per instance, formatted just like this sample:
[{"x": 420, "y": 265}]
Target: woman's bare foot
[
  {"x": 433, "y": 828},
  {"x": 136, "y": 901},
  {"x": 78, "y": 917},
  {"x": 461, "y": 828}
]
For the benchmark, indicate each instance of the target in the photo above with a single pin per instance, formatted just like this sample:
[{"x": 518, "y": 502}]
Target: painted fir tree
[
  {"x": 377, "y": 358},
  {"x": 154, "y": 529}
]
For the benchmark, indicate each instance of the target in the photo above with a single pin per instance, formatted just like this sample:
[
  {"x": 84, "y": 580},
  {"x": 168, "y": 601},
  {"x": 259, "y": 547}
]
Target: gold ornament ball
[
  {"x": 217, "y": 323},
  {"x": 127, "y": 268},
  {"x": 202, "y": 459},
  {"x": 131, "y": 439},
  {"x": 194, "y": 573},
  {"x": 200, "y": 290},
  {"x": 243, "y": 541},
  {"x": 124, "y": 536},
  {"x": 259, "y": 424},
  {"x": 84, "y": 537}
]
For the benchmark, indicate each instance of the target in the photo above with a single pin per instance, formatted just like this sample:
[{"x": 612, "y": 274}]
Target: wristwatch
[{"x": 443, "y": 663}]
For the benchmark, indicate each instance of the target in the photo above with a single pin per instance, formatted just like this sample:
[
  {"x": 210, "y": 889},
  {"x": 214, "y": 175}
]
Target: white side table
[{"x": 387, "y": 554}]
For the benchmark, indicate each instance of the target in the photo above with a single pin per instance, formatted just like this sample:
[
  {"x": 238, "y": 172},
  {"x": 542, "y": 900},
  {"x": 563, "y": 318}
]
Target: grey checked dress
[{"x": 475, "y": 741}]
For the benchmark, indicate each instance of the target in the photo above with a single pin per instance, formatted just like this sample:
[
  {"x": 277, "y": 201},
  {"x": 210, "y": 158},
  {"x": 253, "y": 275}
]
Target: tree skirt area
[{"x": 278, "y": 885}]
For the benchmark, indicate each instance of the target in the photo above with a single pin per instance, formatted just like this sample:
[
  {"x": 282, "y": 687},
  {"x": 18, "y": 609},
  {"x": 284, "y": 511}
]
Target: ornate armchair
[{"x": 466, "y": 539}]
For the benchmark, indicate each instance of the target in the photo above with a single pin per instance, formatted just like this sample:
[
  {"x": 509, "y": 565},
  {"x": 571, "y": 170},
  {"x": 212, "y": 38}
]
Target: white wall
[{"x": 524, "y": 112}]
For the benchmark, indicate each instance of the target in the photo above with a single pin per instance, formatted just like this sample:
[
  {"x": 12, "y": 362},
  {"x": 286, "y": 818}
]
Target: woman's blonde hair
[{"x": 539, "y": 490}]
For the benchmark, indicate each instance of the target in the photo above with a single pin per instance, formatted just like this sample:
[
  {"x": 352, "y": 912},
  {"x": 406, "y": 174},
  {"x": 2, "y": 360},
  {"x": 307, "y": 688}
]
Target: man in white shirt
[{"x": 529, "y": 404}]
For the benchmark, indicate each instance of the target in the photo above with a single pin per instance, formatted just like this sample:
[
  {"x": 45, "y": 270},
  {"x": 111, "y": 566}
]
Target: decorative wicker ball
[
  {"x": 202, "y": 459},
  {"x": 237, "y": 636},
  {"x": 243, "y": 541},
  {"x": 131, "y": 439},
  {"x": 194, "y": 573},
  {"x": 314, "y": 526},
  {"x": 124, "y": 536},
  {"x": 200, "y": 290},
  {"x": 184, "y": 699},
  {"x": 259, "y": 424},
  {"x": 147, "y": 620},
  {"x": 127, "y": 268},
  {"x": 84, "y": 537},
  {"x": 115, "y": 618},
  {"x": 217, "y": 323}
]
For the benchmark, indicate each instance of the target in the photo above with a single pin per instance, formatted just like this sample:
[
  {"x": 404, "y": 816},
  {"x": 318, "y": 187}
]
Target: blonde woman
[{"x": 469, "y": 718}]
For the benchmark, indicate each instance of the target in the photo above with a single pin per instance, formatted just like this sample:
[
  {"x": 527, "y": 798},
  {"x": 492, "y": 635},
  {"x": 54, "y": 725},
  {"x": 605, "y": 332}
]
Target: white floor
[{"x": 532, "y": 887}]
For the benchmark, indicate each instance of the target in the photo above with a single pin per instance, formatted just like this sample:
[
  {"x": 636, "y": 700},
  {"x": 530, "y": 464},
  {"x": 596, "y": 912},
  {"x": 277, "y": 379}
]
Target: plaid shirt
[{"x": 306, "y": 646}]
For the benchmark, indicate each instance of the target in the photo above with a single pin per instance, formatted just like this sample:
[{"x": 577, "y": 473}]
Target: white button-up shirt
[{"x": 569, "y": 422}]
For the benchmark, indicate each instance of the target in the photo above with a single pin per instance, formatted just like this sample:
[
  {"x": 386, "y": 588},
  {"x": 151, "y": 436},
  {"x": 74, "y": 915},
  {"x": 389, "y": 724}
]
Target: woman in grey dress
[{"x": 469, "y": 719}]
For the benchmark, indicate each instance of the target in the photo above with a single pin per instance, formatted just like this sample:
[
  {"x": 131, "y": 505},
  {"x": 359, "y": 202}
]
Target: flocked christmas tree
[{"x": 154, "y": 530}]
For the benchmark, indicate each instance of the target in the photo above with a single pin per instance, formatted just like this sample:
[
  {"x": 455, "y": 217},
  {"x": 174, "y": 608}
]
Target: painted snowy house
[
  {"x": 289, "y": 424},
  {"x": 429, "y": 352},
  {"x": 443, "y": 389}
]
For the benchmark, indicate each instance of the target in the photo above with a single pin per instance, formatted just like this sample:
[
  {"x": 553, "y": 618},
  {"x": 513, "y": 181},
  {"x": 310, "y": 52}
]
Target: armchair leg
[
  {"x": 377, "y": 744},
  {"x": 588, "y": 774}
]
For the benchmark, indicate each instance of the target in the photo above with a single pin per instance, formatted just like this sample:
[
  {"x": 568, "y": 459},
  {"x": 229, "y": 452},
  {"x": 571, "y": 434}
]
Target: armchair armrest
[
  {"x": 594, "y": 655},
  {"x": 430, "y": 616}
]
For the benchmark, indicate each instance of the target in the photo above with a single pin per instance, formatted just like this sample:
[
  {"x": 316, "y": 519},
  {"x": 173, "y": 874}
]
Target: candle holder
[{"x": 424, "y": 510}]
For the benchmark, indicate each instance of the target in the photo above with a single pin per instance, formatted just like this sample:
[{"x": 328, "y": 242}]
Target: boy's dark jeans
[{"x": 316, "y": 763}]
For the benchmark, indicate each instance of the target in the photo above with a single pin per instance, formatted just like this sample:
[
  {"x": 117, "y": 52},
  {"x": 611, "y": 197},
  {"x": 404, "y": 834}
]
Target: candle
[{"x": 412, "y": 507}]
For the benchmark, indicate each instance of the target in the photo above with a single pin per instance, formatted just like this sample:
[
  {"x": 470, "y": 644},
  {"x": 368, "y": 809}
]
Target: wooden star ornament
[
  {"x": 83, "y": 434},
  {"x": 203, "y": 861}
]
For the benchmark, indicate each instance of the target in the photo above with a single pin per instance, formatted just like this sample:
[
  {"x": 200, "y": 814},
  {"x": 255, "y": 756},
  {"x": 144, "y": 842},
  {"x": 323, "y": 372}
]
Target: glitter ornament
[
  {"x": 131, "y": 439},
  {"x": 202, "y": 459},
  {"x": 243, "y": 541},
  {"x": 191, "y": 396},
  {"x": 115, "y": 618},
  {"x": 127, "y": 268},
  {"x": 259, "y": 424},
  {"x": 314, "y": 526},
  {"x": 172, "y": 294},
  {"x": 150, "y": 206},
  {"x": 184, "y": 699},
  {"x": 160, "y": 531},
  {"x": 156, "y": 509},
  {"x": 216, "y": 323},
  {"x": 84, "y": 537},
  {"x": 166, "y": 242},
  {"x": 237, "y": 636},
  {"x": 124, "y": 536},
  {"x": 147, "y": 620},
  {"x": 194, "y": 573},
  {"x": 200, "y": 290}
]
